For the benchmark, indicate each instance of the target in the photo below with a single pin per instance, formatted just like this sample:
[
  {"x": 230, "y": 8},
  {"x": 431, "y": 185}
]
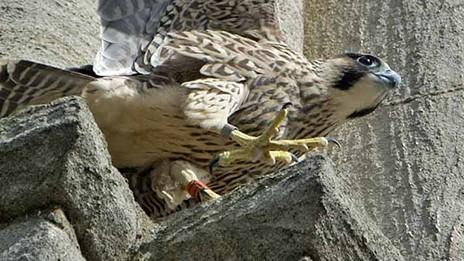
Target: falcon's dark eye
[{"x": 368, "y": 61}]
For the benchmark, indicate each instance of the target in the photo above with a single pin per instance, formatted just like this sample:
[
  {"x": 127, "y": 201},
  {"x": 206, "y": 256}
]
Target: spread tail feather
[{"x": 24, "y": 83}]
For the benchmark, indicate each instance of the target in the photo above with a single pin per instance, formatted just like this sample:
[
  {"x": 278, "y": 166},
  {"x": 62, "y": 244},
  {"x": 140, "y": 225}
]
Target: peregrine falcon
[{"x": 190, "y": 86}]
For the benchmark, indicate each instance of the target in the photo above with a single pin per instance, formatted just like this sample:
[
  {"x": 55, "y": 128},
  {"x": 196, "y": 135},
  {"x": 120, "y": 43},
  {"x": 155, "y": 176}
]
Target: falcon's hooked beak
[{"x": 389, "y": 77}]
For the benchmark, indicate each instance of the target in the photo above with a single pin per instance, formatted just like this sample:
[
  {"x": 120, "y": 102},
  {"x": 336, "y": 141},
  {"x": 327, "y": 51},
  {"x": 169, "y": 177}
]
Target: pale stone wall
[{"x": 404, "y": 163}]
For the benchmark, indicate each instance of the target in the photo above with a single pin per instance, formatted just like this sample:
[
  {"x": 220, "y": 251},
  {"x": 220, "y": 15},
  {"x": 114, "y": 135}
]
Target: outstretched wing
[
  {"x": 133, "y": 30},
  {"x": 24, "y": 83},
  {"x": 127, "y": 26},
  {"x": 237, "y": 73},
  {"x": 229, "y": 56}
]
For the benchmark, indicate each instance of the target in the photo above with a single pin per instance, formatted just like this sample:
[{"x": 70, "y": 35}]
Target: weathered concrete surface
[
  {"x": 295, "y": 214},
  {"x": 47, "y": 236},
  {"x": 404, "y": 163},
  {"x": 291, "y": 16},
  {"x": 56, "y": 155},
  {"x": 61, "y": 33}
]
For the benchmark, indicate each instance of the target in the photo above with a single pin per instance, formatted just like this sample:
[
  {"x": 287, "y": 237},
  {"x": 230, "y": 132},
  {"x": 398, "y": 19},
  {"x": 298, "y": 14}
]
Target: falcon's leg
[{"x": 263, "y": 146}]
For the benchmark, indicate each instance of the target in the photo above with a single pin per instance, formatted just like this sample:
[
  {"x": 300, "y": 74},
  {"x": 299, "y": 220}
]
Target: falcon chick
[{"x": 210, "y": 93}]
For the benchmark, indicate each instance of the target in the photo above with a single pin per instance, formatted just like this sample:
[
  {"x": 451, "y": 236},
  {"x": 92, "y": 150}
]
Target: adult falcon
[{"x": 195, "y": 84}]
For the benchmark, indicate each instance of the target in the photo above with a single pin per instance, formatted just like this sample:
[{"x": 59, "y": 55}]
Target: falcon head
[{"x": 359, "y": 83}]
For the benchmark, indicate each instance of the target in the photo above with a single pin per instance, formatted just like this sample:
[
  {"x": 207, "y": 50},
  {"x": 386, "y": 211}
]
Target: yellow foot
[{"x": 263, "y": 147}]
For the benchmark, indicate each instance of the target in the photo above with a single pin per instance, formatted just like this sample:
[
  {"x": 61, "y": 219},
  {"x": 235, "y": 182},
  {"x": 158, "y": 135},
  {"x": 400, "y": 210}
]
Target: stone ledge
[
  {"x": 55, "y": 155},
  {"x": 46, "y": 236},
  {"x": 296, "y": 214}
]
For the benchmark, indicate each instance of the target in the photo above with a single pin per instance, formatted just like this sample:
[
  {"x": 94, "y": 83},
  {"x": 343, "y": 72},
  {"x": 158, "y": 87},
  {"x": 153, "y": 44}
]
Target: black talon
[
  {"x": 214, "y": 162},
  {"x": 294, "y": 158},
  {"x": 333, "y": 140},
  {"x": 287, "y": 105}
]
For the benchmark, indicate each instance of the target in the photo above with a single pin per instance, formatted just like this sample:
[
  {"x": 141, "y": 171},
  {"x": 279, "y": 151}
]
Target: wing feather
[
  {"x": 221, "y": 70},
  {"x": 224, "y": 54},
  {"x": 211, "y": 101},
  {"x": 24, "y": 83},
  {"x": 232, "y": 62},
  {"x": 133, "y": 30},
  {"x": 127, "y": 26}
]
